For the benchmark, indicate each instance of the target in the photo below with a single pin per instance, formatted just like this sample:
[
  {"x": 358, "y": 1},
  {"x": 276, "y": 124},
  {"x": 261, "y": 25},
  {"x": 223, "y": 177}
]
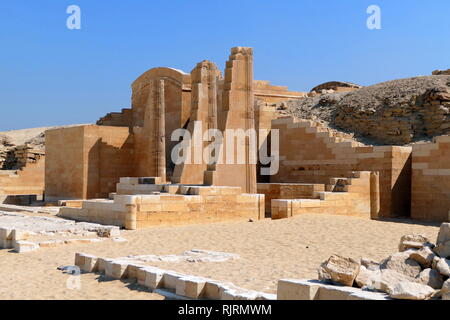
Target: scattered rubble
[
  {"x": 417, "y": 272},
  {"x": 28, "y": 233}
]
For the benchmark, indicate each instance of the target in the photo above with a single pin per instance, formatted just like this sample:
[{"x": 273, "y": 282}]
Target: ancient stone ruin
[{"x": 377, "y": 152}]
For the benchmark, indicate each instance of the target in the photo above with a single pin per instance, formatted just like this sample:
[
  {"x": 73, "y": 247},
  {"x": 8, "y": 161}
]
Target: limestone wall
[
  {"x": 27, "y": 181},
  {"x": 431, "y": 180},
  {"x": 86, "y": 162},
  {"x": 310, "y": 153}
]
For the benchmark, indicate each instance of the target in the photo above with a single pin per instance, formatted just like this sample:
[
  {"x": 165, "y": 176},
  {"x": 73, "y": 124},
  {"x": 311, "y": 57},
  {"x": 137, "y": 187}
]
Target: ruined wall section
[{"x": 311, "y": 153}]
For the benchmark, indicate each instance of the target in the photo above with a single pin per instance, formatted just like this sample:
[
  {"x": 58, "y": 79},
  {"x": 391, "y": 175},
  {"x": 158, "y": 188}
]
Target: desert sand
[{"x": 269, "y": 250}]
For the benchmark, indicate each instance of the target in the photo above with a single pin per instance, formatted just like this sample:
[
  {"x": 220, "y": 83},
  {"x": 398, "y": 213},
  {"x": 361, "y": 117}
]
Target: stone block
[
  {"x": 153, "y": 278},
  {"x": 191, "y": 287},
  {"x": 214, "y": 290},
  {"x": 170, "y": 279},
  {"x": 90, "y": 264},
  {"x": 330, "y": 292},
  {"x": 25, "y": 246},
  {"x": 6, "y": 234},
  {"x": 298, "y": 289},
  {"x": 18, "y": 235},
  {"x": 115, "y": 270}
]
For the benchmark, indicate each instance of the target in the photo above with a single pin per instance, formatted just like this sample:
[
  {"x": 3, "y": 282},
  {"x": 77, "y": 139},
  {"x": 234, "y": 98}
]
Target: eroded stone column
[
  {"x": 155, "y": 132},
  {"x": 203, "y": 117},
  {"x": 237, "y": 112}
]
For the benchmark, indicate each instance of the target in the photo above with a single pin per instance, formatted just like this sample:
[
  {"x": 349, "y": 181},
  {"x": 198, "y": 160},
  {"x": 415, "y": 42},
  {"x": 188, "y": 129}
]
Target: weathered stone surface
[
  {"x": 383, "y": 280},
  {"x": 298, "y": 289},
  {"x": 370, "y": 264},
  {"x": 443, "y": 249},
  {"x": 363, "y": 276},
  {"x": 435, "y": 262},
  {"x": 412, "y": 241},
  {"x": 339, "y": 270},
  {"x": 401, "y": 263},
  {"x": 445, "y": 292},
  {"x": 443, "y": 266},
  {"x": 431, "y": 278},
  {"x": 25, "y": 246},
  {"x": 444, "y": 233},
  {"x": 423, "y": 256},
  {"x": 411, "y": 291}
]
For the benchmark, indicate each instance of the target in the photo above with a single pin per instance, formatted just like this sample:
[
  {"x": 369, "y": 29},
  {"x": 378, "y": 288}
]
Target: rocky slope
[{"x": 396, "y": 112}]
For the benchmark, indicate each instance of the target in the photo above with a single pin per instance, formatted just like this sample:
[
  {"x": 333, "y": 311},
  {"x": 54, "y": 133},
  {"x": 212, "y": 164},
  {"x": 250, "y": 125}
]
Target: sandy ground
[{"x": 269, "y": 250}]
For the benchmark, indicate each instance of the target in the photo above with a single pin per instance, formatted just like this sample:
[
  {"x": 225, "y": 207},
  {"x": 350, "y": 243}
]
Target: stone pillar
[
  {"x": 237, "y": 112},
  {"x": 160, "y": 132},
  {"x": 203, "y": 117},
  {"x": 154, "y": 131}
]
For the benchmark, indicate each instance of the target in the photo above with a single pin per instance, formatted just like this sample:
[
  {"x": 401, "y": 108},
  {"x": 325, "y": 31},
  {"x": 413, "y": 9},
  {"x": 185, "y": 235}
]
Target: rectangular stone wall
[
  {"x": 431, "y": 180},
  {"x": 310, "y": 153},
  {"x": 86, "y": 162}
]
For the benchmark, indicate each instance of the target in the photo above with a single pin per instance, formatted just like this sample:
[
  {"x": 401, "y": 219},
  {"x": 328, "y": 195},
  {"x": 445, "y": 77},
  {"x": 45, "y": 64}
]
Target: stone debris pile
[
  {"x": 15, "y": 157},
  {"x": 419, "y": 271},
  {"x": 28, "y": 233}
]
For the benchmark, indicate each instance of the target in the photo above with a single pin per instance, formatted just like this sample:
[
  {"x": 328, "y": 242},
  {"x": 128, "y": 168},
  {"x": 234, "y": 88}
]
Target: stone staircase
[{"x": 343, "y": 196}]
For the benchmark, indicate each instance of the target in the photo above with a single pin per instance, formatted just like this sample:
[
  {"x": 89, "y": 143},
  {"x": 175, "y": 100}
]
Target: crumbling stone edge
[
  {"x": 16, "y": 239},
  {"x": 165, "y": 282}
]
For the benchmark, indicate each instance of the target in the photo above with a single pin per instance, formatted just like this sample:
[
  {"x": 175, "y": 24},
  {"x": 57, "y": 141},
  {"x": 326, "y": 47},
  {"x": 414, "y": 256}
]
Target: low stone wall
[
  {"x": 183, "y": 286},
  {"x": 172, "y": 205}
]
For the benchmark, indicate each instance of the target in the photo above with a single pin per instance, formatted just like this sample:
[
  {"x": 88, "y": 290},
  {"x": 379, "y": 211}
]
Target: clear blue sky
[{"x": 50, "y": 75}]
